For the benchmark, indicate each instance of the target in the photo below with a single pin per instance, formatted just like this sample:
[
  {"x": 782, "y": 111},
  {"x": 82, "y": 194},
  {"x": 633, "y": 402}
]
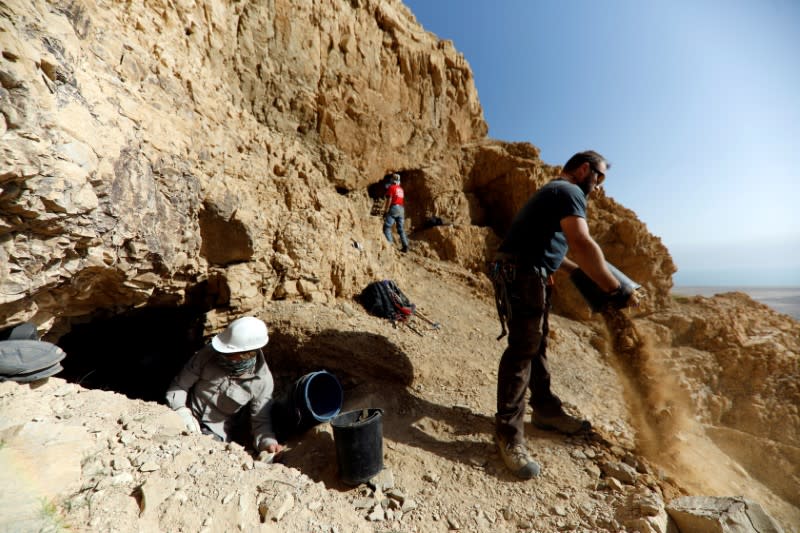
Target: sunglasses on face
[{"x": 600, "y": 176}]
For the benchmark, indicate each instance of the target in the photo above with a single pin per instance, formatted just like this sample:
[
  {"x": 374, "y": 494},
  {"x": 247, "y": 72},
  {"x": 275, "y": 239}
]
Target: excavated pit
[{"x": 137, "y": 353}]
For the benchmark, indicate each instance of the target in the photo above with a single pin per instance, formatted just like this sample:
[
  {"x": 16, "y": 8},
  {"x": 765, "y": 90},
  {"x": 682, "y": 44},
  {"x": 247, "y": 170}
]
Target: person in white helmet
[{"x": 224, "y": 377}]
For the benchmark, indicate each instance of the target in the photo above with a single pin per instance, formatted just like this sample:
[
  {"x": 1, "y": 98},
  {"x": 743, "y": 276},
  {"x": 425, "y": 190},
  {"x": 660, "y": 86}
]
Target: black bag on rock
[{"x": 385, "y": 299}]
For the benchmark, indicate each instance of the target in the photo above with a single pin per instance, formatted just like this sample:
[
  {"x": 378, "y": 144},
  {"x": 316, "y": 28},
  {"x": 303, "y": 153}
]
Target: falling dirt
[{"x": 667, "y": 432}]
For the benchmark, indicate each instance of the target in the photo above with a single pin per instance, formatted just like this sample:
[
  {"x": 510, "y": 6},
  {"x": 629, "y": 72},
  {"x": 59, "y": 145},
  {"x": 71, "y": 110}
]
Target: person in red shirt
[{"x": 394, "y": 212}]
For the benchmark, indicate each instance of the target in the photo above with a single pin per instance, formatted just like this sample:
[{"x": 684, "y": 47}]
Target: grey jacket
[{"x": 214, "y": 396}]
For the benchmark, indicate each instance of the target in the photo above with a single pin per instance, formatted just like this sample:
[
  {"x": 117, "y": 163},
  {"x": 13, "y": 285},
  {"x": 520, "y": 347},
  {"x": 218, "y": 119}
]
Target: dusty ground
[{"x": 123, "y": 465}]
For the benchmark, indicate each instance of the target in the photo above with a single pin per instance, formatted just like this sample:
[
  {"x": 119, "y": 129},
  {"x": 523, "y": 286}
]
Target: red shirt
[{"x": 396, "y": 195}]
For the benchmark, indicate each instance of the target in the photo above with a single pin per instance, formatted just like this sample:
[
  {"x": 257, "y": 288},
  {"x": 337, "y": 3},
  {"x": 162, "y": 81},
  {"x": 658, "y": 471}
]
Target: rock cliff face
[
  {"x": 150, "y": 147},
  {"x": 173, "y": 152}
]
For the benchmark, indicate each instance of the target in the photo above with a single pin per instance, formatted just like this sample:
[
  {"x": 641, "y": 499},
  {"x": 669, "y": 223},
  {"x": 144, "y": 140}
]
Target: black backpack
[{"x": 386, "y": 300}]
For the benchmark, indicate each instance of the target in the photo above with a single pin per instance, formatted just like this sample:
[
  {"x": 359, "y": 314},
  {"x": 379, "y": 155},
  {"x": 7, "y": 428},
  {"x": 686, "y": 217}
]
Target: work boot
[
  {"x": 404, "y": 249},
  {"x": 562, "y": 422},
  {"x": 517, "y": 459}
]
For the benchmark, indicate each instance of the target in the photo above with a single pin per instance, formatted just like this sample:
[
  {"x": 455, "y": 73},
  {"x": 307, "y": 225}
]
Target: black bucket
[
  {"x": 359, "y": 444},
  {"x": 594, "y": 295},
  {"x": 314, "y": 398}
]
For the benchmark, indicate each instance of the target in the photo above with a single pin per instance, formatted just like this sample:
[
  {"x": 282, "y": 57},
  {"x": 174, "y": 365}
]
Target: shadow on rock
[
  {"x": 375, "y": 373},
  {"x": 355, "y": 358}
]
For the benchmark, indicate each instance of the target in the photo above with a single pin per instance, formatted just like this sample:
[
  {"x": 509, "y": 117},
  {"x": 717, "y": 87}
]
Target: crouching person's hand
[
  {"x": 191, "y": 423},
  {"x": 270, "y": 445},
  {"x": 268, "y": 448}
]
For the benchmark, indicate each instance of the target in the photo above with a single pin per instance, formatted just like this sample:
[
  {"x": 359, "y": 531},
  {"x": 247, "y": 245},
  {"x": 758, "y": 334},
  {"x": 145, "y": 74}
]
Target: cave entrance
[
  {"x": 138, "y": 352},
  {"x": 420, "y": 203}
]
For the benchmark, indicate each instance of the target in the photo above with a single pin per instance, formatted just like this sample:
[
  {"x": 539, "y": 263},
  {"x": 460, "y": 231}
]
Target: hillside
[{"x": 169, "y": 166}]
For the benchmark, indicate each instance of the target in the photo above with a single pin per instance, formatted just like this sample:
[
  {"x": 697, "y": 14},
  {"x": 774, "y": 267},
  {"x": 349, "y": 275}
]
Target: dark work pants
[{"x": 524, "y": 362}]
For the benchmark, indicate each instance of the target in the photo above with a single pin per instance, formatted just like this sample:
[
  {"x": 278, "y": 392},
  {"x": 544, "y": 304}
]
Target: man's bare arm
[{"x": 587, "y": 253}]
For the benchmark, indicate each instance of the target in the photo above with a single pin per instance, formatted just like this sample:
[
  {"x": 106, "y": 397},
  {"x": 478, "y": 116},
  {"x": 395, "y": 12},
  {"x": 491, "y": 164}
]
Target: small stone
[
  {"x": 180, "y": 496},
  {"x": 620, "y": 471},
  {"x": 363, "y": 503},
  {"x": 593, "y": 470},
  {"x": 649, "y": 504},
  {"x": 377, "y": 514},
  {"x": 149, "y": 467},
  {"x": 396, "y": 494},
  {"x": 577, "y": 454},
  {"x": 122, "y": 479},
  {"x": 266, "y": 457},
  {"x": 121, "y": 463},
  {"x": 453, "y": 524},
  {"x": 276, "y": 508},
  {"x": 614, "y": 485},
  {"x": 383, "y": 480},
  {"x": 408, "y": 505},
  {"x": 431, "y": 477},
  {"x": 315, "y": 505}
]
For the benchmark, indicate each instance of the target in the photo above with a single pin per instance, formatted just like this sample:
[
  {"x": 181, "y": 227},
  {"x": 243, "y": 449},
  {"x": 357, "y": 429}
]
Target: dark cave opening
[
  {"x": 377, "y": 190},
  {"x": 139, "y": 351},
  {"x": 136, "y": 353}
]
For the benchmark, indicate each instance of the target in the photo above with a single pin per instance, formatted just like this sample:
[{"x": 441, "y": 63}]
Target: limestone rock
[{"x": 720, "y": 514}]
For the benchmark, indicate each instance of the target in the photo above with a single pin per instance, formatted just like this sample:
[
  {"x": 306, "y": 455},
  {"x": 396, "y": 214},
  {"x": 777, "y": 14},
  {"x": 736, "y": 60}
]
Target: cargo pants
[{"x": 523, "y": 365}]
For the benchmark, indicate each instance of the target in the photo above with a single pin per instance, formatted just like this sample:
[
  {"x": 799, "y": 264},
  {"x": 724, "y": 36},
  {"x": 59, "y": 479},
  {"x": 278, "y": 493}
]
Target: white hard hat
[{"x": 243, "y": 334}]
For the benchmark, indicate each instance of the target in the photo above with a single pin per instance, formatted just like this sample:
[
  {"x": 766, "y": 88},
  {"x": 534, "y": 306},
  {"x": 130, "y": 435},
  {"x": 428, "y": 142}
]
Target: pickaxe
[
  {"x": 434, "y": 325},
  {"x": 412, "y": 328}
]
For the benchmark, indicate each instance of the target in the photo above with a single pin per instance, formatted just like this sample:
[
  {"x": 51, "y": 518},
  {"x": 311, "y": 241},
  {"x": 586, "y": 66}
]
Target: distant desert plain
[{"x": 785, "y": 300}]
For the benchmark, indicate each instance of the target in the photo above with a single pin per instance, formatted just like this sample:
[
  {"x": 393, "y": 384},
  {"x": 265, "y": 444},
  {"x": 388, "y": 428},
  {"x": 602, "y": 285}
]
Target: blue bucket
[
  {"x": 319, "y": 395},
  {"x": 313, "y": 399}
]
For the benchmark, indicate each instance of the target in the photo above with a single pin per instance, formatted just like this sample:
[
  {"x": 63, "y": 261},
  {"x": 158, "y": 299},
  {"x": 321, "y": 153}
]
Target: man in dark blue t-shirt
[{"x": 550, "y": 223}]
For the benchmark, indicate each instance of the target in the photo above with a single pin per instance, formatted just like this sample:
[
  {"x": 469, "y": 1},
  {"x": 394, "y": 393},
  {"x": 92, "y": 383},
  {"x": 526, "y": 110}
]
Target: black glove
[{"x": 622, "y": 297}]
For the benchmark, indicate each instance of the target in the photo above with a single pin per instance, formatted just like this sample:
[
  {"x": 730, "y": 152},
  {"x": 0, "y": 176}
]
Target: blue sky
[{"x": 695, "y": 103}]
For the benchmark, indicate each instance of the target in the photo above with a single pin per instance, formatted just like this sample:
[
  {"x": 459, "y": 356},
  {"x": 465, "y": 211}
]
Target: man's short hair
[{"x": 590, "y": 156}]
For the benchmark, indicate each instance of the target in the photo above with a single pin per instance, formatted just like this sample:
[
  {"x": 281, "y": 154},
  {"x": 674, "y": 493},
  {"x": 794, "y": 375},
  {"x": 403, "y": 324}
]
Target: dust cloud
[{"x": 668, "y": 434}]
